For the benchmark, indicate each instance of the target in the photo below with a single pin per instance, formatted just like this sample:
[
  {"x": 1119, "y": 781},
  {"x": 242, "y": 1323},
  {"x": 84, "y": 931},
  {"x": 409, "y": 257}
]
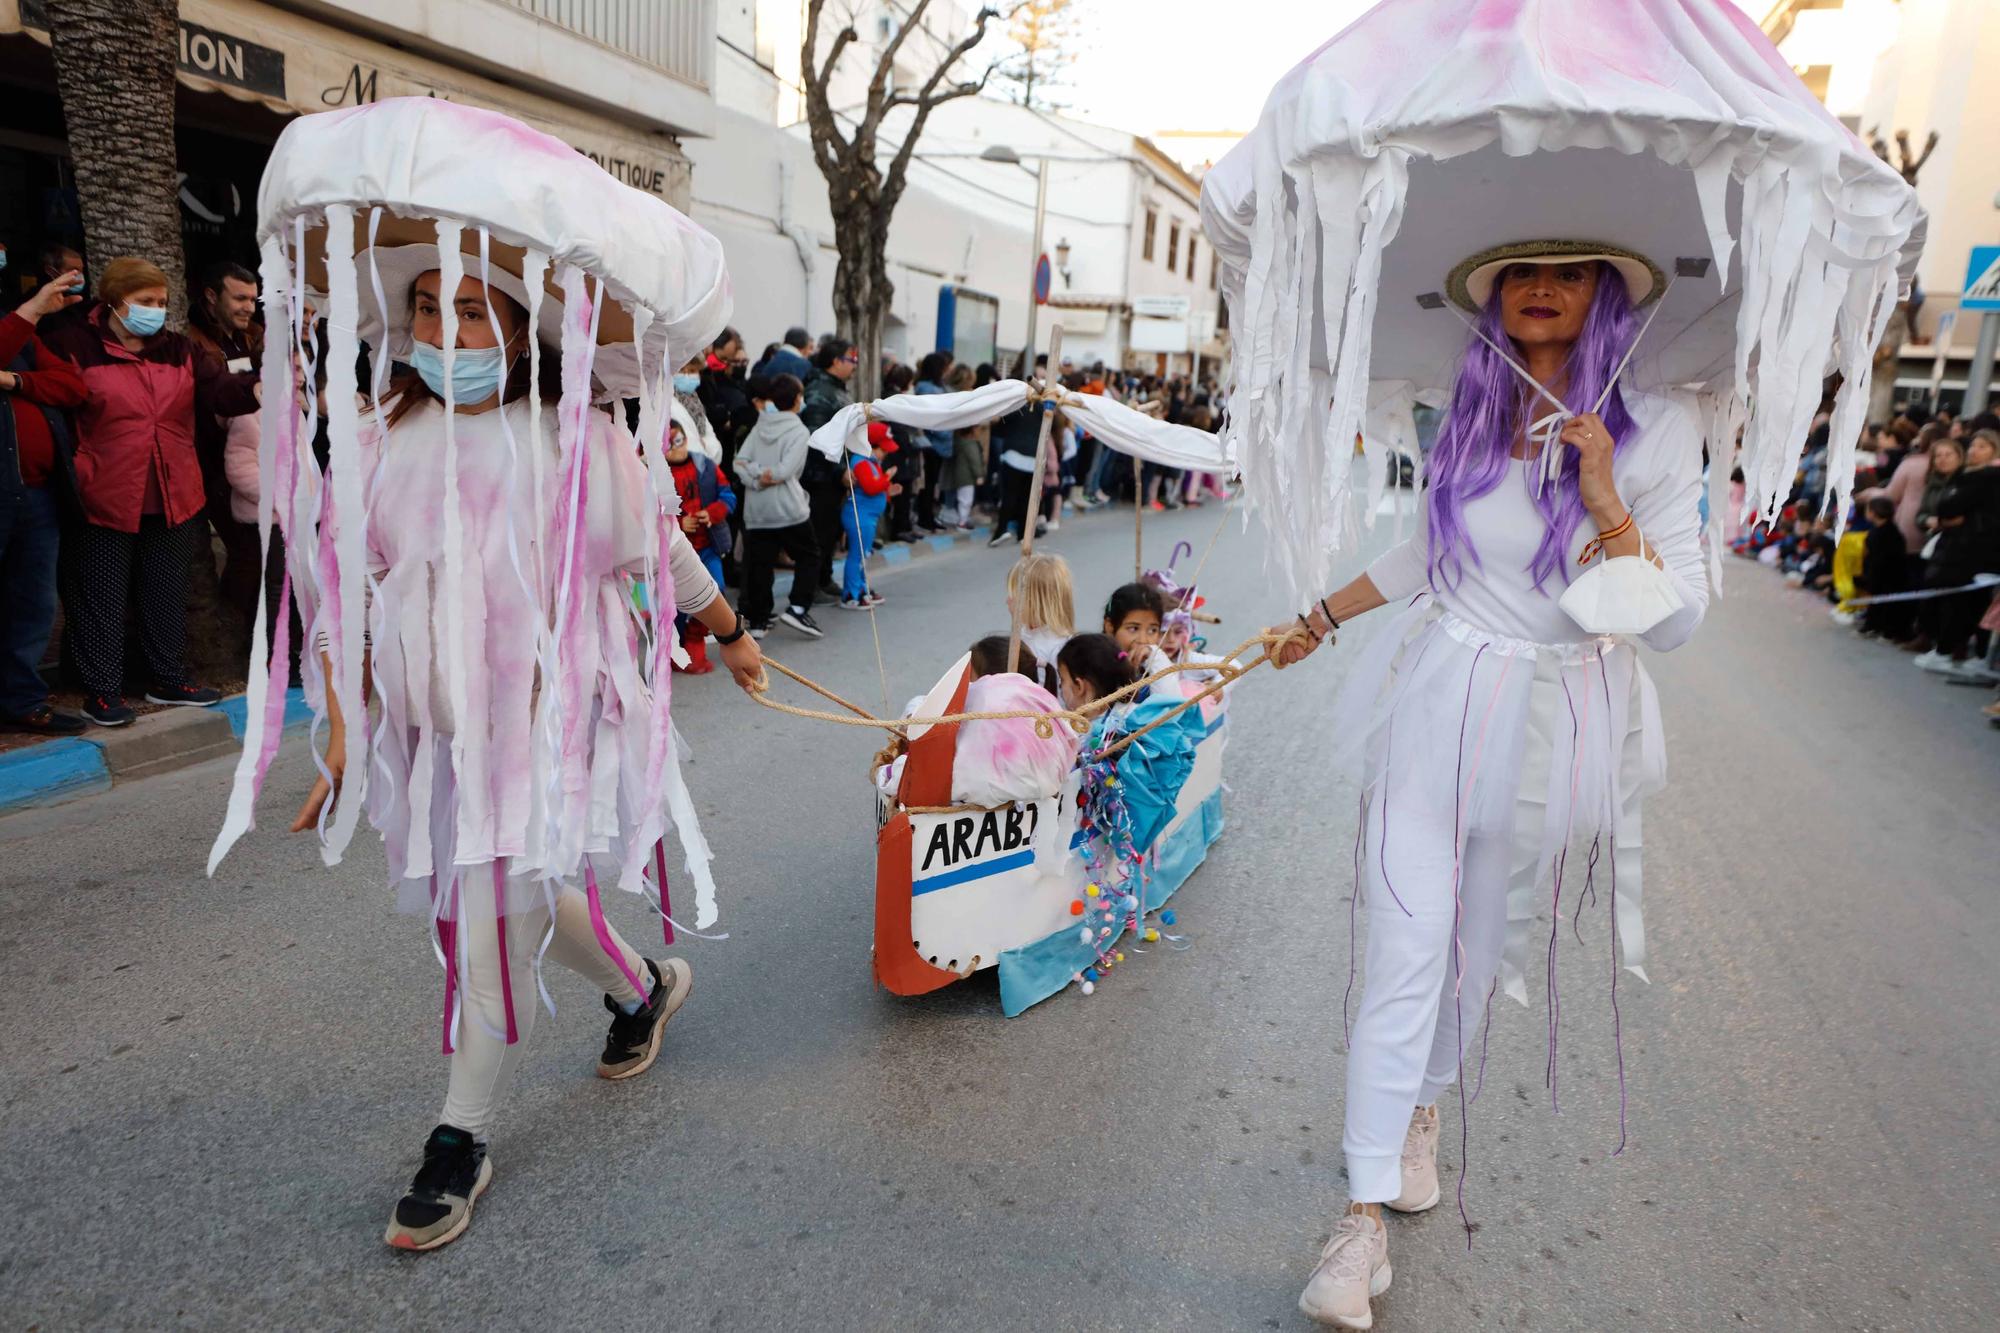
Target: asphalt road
[{"x": 213, "y": 1091}]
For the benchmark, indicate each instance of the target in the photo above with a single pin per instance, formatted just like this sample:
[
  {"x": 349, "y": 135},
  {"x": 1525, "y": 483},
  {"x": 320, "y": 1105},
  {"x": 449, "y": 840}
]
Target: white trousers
[
  {"x": 483, "y": 1060},
  {"x": 1426, "y": 986}
]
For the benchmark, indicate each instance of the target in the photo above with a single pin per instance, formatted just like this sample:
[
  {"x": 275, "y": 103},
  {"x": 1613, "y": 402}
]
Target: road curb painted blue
[
  {"x": 61, "y": 770},
  {"x": 52, "y": 771}
]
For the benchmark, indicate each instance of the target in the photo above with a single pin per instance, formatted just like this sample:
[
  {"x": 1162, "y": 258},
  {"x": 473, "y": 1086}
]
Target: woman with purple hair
[{"x": 1501, "y": 720}]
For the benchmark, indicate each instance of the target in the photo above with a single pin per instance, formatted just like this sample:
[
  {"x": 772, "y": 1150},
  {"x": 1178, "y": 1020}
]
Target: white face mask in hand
[{"x": 1625, "y": 594}]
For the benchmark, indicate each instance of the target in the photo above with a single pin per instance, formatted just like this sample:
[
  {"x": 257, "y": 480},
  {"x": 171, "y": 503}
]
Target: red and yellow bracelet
[{"x": 1595, "y": 546}]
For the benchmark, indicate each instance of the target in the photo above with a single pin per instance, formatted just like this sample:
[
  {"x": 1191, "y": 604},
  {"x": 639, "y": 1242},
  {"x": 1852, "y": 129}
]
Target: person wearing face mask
[
  {"x": 687, "y": 392},
  {"x": 139, "y": 485},
  {"x": 464, "y": 688}
]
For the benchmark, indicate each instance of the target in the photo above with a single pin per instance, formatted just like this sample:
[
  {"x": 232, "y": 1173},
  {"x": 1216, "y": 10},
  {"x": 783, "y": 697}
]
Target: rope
[
  {"x": 1079, "y": 719},
  {"x": 1213, "y": 537},
  {"x": 854, "y": 507},
  {"x": 1138, "y": 518}
]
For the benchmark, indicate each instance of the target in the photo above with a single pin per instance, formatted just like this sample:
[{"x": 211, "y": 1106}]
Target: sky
[{"x": 1147, "y": 65}]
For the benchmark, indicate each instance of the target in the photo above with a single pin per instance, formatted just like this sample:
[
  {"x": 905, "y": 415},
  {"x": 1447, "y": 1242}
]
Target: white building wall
[{"x": 757, "y": 188}]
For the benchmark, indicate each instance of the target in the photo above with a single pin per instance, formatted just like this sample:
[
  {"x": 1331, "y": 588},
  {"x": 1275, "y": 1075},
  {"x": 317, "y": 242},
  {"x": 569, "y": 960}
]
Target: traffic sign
[
  {"x": 1982, "y": 279},
  {"x": 1042, "y": 279}
]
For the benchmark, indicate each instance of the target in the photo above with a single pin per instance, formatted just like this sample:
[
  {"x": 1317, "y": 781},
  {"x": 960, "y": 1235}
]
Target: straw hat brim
[{"x": 1471, "y": 283}]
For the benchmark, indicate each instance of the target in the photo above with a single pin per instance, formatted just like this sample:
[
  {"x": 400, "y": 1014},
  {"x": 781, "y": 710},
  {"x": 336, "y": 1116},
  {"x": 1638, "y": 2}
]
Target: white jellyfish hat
[
  {"x": 1429, "y": 131},
  {"x": 354, "y": 203}
]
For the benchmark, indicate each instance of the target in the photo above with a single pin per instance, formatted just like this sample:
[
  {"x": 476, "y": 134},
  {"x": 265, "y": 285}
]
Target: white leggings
[
  {"x": 484, "y": 1060},
  {"x": 1417, "y": 1014}
]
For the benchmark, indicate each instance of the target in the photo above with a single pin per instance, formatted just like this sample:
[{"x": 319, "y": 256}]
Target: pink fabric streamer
[
  {"x": 500, "y": 930},
  {"x": 447, "y": 927},
  {"x": 666, "y": 902},
  {"x": 603, "y": 929}
]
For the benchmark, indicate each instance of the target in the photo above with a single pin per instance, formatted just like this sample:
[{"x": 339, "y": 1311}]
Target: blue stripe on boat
[{"x": 966, "y": 874}]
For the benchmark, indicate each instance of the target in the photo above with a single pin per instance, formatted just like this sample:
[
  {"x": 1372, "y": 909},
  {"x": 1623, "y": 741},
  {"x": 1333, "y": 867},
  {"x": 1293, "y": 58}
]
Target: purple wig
[{"x": 1489, "y": 401}]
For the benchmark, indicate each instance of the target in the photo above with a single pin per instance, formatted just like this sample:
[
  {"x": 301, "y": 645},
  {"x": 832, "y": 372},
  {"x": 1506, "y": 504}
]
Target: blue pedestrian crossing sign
[{"x": 1982, "y": 279}]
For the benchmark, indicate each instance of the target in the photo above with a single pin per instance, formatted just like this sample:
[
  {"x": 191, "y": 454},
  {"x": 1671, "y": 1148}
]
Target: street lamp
[
  {"x": 1001, "y": 152},
  {"x": 1062, "y": 258},
  {"x": 1005, "y": 155}
]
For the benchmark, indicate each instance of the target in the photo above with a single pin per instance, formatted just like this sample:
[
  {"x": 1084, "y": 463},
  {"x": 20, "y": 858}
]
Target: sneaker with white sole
[
  {"x": 1420, "y": 1164},
  {"x": 438, "y": 1207},
  {"x": 801, "y": 621},
  {"x": 1932, "y": 661},
  {"x": 1971, "y": 671},
  {"x": 853, "y": 604},
  {"x": 634, "y": 1040},
  {"x": 1353, "y": 1269}
]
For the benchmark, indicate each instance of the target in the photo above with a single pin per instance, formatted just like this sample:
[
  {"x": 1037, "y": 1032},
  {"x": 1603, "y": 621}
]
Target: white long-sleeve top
[{"x": 1658, "y": 473}]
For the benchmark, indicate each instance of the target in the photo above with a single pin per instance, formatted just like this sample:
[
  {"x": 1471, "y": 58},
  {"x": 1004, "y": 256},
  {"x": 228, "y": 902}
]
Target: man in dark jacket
[
  {"x": 826, "y": 483},
  {"x": 37, "y": 461},
  {"x": 790, "y": 358}
]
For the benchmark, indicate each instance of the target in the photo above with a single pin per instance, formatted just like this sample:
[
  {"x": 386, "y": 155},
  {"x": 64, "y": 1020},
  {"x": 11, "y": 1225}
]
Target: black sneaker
[
  {"x": 1000, "y": 538},
  {"x": 438, "y": 1208},
  {"x": 760, "y": 629},
  {"x": 184, "y": 696},
  {"x": 634, "y": 1040},
  {"x": 801, "y": 621},
  {"x": 830, "y": 591},
  {"x": 107, "y": 710},
  {"x": 46, "y": 721}
]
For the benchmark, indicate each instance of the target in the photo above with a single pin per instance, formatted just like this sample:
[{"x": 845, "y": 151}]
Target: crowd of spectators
[
  {"x": 819, "y": 520},
  {"x": 1916, "y": 564}
]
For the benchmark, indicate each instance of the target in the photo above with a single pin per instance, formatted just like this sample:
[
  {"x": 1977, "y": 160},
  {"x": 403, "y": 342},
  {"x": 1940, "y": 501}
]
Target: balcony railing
[{"x": 676, "y": 37}]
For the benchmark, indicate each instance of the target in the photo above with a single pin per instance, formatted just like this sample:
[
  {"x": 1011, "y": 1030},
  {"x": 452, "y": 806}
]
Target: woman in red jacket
[{"x": 139, "y": 485}]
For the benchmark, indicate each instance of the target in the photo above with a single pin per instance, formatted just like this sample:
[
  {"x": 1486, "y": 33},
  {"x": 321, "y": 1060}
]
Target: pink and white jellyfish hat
[
  {"x": 354, "y": 203},
  {"x": 1429, "y": 131}
]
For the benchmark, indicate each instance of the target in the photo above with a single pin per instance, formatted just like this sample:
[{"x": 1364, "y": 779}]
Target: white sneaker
[
  {"x": 1353, "y": 1269},
  {"x": 1420, "y": 1164},
  {"x": 1971, "y": 671},
  {"x": 1843, "y": 618},
  {"x": 1935, "y": 661}
]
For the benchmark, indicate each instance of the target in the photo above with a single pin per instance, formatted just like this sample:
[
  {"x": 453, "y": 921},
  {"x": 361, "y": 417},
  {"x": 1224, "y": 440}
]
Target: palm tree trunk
[{"x": 115, "y": 74}]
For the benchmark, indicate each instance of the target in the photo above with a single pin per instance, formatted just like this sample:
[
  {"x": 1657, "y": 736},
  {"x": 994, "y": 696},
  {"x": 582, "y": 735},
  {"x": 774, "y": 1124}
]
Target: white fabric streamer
[{"x": 1110, "y": 421}]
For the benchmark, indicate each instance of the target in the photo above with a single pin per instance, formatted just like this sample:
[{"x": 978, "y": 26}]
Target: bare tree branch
[{"x": 885, "y": 65}]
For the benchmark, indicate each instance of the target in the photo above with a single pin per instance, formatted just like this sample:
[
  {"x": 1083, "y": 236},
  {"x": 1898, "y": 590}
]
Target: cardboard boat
[{"x": 957, "y": 893}]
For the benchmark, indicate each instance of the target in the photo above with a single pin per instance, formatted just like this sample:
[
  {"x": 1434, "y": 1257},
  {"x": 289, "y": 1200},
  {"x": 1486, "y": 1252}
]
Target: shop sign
[{"x": 206, "y": 53}]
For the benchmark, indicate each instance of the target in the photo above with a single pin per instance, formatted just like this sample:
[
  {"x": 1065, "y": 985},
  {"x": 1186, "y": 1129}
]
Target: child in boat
[
  {"x": 1000, "y": 759},
  {"x": 1040, "y": 594},
  {"x": 1135, "y": 617},
  {"x": 1126, "y": 798}
]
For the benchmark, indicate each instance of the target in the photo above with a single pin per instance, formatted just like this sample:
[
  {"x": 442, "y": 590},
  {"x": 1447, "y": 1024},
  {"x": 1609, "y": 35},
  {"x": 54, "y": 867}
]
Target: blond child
[{"x": 1041, "y": 597}]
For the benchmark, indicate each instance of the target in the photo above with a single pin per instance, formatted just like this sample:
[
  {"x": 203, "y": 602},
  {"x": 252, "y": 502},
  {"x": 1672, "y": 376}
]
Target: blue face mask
[
  {"x": 475, "y": 372},
  {"x": 143, "y": 321},
  {"x": 770, "y": 408},
  {"x": 686, "y": 383}
]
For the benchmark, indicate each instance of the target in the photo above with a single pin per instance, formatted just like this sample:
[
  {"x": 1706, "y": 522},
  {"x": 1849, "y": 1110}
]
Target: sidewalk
[{"x": 61, "y": 770}]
